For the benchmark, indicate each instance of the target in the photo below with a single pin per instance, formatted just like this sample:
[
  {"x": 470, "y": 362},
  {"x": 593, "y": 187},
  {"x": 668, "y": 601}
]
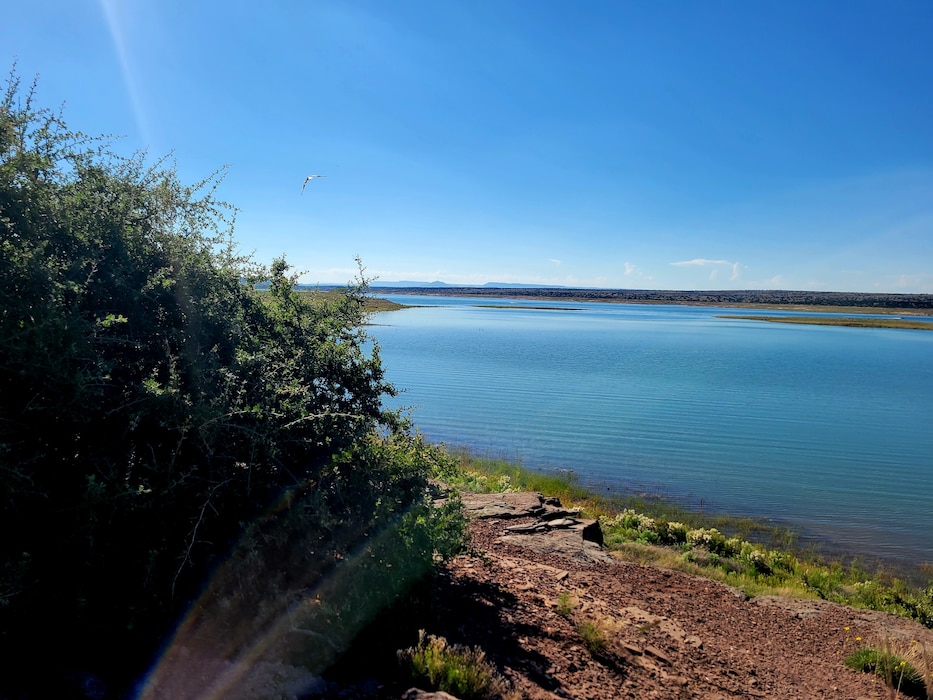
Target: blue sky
[{"x": 650, "y": 145}]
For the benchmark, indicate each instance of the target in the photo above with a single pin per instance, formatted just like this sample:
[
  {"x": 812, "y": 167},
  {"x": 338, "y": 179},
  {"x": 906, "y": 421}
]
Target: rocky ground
[
  {"x": 525, "y": 593},
  {"x": 536, "y": 581}
]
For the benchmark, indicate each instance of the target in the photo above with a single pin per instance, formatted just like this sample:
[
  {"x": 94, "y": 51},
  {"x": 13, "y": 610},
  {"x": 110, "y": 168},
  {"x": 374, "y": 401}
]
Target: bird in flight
[{"x": 309, "y": 179}]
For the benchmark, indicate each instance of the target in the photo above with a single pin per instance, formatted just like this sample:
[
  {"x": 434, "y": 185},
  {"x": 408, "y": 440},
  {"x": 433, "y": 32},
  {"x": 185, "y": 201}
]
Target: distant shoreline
[
  {"x": 827, "y": 302},
  {"x": 839, "y": 321}
]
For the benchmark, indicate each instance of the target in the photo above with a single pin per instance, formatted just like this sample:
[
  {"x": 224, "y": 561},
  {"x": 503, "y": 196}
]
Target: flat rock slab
[
  {"x": 507, "y": 505},
  {"x": 555, "y": 529},
  {"x": 588, "y": 530},
  {"x": 567, "y": 544}
]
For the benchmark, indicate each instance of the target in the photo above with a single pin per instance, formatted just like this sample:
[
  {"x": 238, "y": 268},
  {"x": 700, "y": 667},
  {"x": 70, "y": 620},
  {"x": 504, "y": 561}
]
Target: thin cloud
[
  {"x": 715, "y": 264},
  {"x": 554, "y": 260},
  {"x": 635, "y": 271},
  {"x": 702, "y": 261},
  {"x": 923, "y": 283}
]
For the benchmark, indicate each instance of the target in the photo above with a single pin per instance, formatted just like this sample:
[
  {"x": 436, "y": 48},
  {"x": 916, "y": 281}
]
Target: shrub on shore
[{"x": 157, "y": 413}]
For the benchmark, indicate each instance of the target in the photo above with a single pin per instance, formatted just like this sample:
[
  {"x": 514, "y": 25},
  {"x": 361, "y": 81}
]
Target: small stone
[{"x": 658, "y": 654}]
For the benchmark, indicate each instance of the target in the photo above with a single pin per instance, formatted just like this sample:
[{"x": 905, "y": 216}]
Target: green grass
[
  {"x": 755, "y": 557},
  {"x": 372, "y": 304},
  {"x": 452, "y": 668},
  {"x": 837, "y": 321},
  {"x": 593, "y": 635},
  {"x": 898, "y": 673},
  {"x": 565, "y": 604}
]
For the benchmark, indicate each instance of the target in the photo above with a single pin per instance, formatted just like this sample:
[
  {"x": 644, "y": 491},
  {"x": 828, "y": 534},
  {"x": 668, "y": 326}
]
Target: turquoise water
[{"x": 825, "y": 428}]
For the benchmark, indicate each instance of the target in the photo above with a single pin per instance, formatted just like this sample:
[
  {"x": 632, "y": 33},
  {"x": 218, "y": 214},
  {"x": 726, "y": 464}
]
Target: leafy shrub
[
  {"x": 895, "y": 597},
  {"x": 672, "y": 532},
  {"x": 649, "y": 537},
  {"x": 759, "y": 559},
  {"x": 482, "y": 483},
  {"x": 158, "y": 412}
]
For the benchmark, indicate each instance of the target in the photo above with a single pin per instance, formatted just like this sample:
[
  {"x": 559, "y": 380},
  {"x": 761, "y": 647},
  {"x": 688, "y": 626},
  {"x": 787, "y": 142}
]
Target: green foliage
[
  {"x": 452, "y": 668},
  {"x": 154, "y": 406},
  {"x": 756, "y": 568},
  {"x": 896, "y": 597},
  {"x": 898, "y": 673}
]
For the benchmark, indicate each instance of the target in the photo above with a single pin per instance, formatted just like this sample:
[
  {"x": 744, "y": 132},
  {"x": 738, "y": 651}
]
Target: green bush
[{"x": 158, "y": 412}]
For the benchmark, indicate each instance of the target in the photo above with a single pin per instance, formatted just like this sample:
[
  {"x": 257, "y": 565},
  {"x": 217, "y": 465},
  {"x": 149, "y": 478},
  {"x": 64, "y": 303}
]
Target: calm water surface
[{"x": 828, "y": 429}]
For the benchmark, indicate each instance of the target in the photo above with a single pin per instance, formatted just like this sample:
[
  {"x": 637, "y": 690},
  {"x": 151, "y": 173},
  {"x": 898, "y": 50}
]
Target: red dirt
[
  {"x": 667, "y": 634},
  {"x": 671, "y": 635}
]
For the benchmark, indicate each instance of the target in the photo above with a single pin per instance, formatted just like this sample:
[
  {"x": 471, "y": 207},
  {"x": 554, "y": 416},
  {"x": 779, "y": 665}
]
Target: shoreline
[
  {"x": 778, "y": 300},
  {"x": 798, "y": 538}
]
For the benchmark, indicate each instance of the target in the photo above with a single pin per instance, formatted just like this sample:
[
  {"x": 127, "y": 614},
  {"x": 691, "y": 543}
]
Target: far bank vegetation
[{"x": 862, "y": 322}]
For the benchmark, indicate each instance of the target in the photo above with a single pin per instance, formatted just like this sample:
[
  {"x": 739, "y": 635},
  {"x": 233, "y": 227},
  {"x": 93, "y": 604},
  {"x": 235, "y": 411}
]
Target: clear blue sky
[{"x": 642, "y": 144}]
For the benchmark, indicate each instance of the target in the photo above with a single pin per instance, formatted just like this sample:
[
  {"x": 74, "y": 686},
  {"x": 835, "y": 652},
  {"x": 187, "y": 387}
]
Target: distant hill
[{"x": 409, "y": 283}]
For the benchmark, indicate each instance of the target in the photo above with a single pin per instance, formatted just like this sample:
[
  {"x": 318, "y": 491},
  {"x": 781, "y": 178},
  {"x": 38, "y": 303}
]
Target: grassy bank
[
  {"x": 371, "y": 304},
  {"x": 865, "y": 322},
  {"x": 755, "y": 557}
]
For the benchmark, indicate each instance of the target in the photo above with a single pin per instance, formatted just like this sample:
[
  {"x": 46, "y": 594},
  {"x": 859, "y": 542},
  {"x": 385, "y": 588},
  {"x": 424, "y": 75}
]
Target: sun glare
[{"x": 111, "y": 13}]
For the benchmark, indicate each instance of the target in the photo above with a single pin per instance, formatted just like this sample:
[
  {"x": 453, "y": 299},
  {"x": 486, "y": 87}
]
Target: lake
[{"x": 826, "y": 429}]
